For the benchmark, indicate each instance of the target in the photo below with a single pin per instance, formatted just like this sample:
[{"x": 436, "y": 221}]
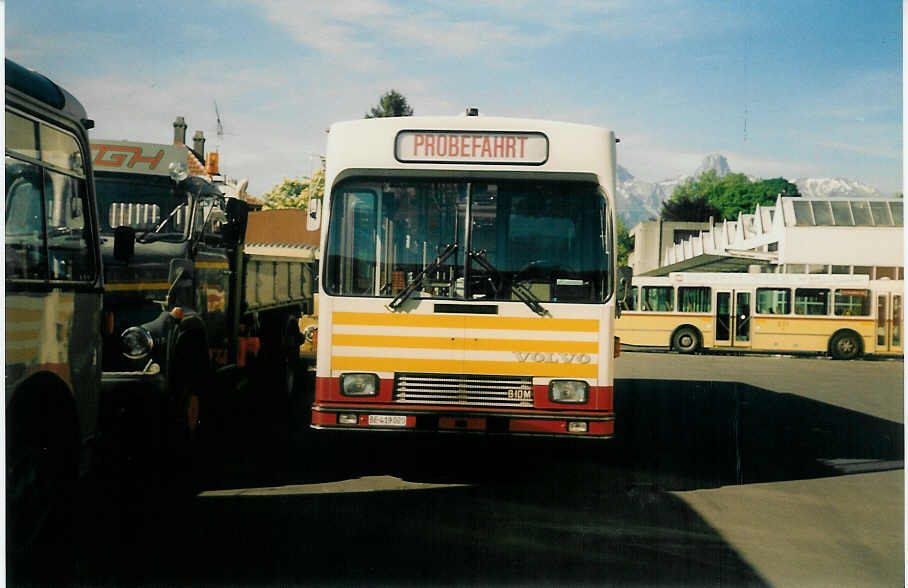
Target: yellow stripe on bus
[
  {"x": 460, "y": 322},
  {"x": 16, "y": 336},
  {"x": 23, "y": 315},
  {"x": 122, "y": 287},
  {"x": 469, "y": 343},
  {"x": 454, "y": 366},
  {"x": 26, "y": 355}
]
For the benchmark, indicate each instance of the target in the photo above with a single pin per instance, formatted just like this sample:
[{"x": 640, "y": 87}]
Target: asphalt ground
[
  {"x": 726, "y": 471},
  {"x": 819, "y": 496}
]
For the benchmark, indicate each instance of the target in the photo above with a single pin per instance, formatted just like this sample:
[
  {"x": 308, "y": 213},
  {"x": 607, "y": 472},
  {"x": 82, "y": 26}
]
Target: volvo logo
[{"x": 539, "y": 357}]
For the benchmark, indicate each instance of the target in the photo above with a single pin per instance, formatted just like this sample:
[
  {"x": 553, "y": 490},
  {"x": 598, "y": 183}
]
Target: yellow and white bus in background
[
  {"x": 467, "y": 280},
  {"x": 845, "y": 316}
]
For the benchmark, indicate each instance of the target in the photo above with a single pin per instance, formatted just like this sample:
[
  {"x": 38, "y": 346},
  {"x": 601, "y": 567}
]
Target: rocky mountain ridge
[{"x": 639, "y": 200}]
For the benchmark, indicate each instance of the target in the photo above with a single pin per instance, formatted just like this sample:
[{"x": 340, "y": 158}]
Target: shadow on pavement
[
  {"x": 524, "y": 512},
  {"x": 688, "y": 435}
]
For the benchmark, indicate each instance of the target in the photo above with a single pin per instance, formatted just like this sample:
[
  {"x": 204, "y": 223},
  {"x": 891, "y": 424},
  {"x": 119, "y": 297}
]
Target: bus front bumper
[{"x": 366, "y": 417}]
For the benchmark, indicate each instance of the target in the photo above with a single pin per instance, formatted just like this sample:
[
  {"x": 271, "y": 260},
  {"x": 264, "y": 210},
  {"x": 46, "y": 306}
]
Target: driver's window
[
  {"x": 25, "y": 249},
  {"x": 215, "y": 218}
]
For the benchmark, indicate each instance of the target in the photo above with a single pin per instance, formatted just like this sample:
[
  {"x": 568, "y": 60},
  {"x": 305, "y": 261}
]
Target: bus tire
[
  {"x": 42, "y": 468},
  {"x": 845, "y": 345},
  {"x": 686, "y": 340}
]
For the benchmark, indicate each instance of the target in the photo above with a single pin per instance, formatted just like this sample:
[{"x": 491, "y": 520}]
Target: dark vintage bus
[{"x": 53, "y": 309}]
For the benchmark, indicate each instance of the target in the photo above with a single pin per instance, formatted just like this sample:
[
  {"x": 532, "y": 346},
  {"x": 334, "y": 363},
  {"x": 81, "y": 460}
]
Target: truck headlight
[
  {"x": 573, "y": 391},
  {"x": 359, "y": 384},
  {"x": 137, "y": 342}
]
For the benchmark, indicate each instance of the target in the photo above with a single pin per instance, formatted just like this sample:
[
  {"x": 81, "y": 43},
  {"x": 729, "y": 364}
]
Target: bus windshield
[
  {"x": 147, "y": 204},
  {"x": 548, "y": 238}
]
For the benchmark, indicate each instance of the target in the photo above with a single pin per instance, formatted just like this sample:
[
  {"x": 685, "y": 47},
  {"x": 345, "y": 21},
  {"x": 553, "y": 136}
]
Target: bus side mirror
[
  {"x": 314, "y": 214},
  {"x": 124, "y": 243},
  {"x": 625, "y": 275}
]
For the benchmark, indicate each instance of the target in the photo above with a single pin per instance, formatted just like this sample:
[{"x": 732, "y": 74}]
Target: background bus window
[
  {"x": 25, "y": 247},
  {"x": 694, "y": 299},
  {"x": 851, "y": 302},
  {"x": 811, "y": 301},
  {"x": 657, "y": 299},
  {"x": 773, "y": 301}
]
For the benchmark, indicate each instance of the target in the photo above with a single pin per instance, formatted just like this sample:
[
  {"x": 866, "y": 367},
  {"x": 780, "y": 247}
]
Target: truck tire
[
  {"x": 183, "y": 420},
  {"x": 845, "y": 345},
  {"x": 282, "y": 341},
  {"x": 686, "y": 340}
]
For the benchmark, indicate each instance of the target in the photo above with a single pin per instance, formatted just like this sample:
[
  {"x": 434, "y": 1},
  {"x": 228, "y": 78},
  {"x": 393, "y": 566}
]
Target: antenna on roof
[
  {"x": 220, "y": 127},
  {"x": 217, "y": 115}
]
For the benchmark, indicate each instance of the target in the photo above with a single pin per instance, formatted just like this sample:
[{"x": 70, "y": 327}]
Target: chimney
[
  {"x": 198, "y": 144},
  {"x": 179, "y": 131}
]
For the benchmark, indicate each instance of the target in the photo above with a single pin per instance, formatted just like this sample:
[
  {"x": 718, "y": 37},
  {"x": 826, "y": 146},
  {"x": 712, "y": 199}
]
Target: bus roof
[
  {"x": 471, "y": 144},
  {"x": 746, "y": 279},
  {"x": 38, "y": 87}
]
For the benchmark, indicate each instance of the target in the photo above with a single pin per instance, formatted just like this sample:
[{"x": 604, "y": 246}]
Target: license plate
[{"x": 387, "y": 420}]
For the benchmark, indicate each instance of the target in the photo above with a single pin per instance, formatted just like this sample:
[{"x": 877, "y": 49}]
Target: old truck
[{"x": 188, "y": 312}]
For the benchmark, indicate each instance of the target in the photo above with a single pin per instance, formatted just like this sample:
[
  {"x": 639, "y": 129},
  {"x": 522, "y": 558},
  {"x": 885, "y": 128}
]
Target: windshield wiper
[
  {"x": 147, "y": 235},
  {"x": 522, "y": 292},
  {"x": 418, "y": 278}
]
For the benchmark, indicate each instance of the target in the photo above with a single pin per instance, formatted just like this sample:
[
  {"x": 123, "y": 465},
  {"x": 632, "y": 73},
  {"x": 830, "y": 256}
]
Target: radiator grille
[{"x": 464, "y": 390}]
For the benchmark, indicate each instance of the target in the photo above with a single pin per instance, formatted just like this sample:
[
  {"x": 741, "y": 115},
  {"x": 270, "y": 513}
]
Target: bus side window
[
  {"x": 25, "y": 245},
  {"x": 658, "y": 298},
  {"x": 773, "y": 301},
  {"x": 811, "y": 301},
  {"x": 851, "y": 302},
  {"x": 694, "y": 298}
]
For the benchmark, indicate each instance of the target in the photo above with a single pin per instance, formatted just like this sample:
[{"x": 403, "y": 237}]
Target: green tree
[
  {"x": 688, "y": 208},
  {"x": 722, "y": 198},
  {"x": 625, "y": 242},
  {"x": 391, "y": 103},
  {"x": 295, "y": 192}
]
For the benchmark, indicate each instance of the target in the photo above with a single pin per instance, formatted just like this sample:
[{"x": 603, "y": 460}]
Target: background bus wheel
[
  {"x": 686, "y": 340},
  {"x": 845, "y": 346}
]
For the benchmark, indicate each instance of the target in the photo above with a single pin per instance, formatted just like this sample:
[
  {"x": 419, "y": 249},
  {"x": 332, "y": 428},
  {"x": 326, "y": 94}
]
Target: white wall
[{"x": 843, "y": 246}]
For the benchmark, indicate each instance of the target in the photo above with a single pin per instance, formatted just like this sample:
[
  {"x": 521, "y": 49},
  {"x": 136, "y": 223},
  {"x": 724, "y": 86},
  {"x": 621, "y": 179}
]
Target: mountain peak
[
  {"x": 624, "y": 175},
  {"x": 715, "y": 162}
]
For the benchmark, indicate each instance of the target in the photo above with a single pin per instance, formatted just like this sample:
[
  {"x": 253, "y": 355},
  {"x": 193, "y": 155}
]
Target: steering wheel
[{"x": 536, "y": 265}]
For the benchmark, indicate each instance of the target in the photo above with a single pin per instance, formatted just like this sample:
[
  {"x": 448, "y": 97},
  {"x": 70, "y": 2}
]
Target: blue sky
[{"x": 782, "y": 88}]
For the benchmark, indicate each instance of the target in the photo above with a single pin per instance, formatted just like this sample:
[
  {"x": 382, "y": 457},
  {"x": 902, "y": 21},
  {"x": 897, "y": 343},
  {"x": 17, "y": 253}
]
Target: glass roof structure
[{"x": 844, "y": 213}]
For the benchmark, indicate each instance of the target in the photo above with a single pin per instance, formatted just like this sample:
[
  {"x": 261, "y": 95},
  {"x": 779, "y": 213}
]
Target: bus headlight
[
  {"x": 359, "y": 384},
  {"x": 573, "y": 391},
  {"x": 137, "y": 342}
]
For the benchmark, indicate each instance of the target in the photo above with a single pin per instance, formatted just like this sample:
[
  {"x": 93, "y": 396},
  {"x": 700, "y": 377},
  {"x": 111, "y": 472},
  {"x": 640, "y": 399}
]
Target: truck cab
[{"x": 170, "y": 245}]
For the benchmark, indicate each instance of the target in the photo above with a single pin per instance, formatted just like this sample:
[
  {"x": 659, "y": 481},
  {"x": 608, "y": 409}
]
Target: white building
[{"x": 796, "y": 235}]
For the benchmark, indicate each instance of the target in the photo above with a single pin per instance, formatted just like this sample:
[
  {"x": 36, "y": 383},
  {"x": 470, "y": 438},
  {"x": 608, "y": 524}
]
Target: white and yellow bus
[
  {"x": 467, "y": 277},
  {"x": 845, "y": 316},
  {"x": 53, "y": 310}
]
